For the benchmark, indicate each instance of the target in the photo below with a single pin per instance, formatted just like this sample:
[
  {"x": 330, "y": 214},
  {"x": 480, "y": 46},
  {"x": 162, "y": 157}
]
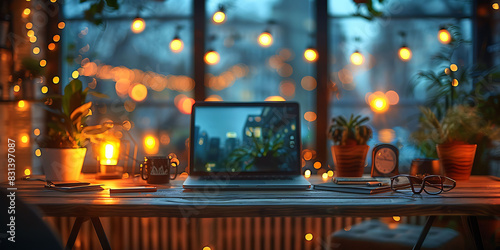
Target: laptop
[{"x": 245, "y": 146}]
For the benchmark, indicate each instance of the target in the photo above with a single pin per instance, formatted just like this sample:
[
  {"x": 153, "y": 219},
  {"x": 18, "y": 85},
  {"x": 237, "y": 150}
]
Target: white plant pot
[{"x": 62, "y": 164}]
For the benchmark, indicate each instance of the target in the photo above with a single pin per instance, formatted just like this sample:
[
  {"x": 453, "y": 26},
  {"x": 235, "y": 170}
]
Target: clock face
[{"x": 385, "y": 160}]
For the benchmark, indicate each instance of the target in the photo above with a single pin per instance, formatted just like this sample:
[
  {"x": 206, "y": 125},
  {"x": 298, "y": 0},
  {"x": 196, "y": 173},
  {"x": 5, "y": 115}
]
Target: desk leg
[
  {"x": 100, "y": 233},
  {"x": 473, "y": 229},
  {"x": 74, "y": 232},
  {"x": 424, "y": 232}
]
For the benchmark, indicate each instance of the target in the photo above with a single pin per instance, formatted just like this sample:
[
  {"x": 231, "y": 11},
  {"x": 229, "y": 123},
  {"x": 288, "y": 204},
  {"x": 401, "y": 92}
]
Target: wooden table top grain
[{"x": 479, "y": 196}]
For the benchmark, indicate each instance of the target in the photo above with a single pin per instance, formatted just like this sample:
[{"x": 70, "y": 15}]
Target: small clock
[{"x": 385, "y": 160}]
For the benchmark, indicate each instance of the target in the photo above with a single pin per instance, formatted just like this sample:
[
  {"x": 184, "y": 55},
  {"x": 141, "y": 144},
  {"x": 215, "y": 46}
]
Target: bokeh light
[
  {"x": 311, "y": 55},
  {"x": 310, "y": 116},
  {"x": 38, "y": 152},
  {"x": 26, "y": 12},
  {"x": 212, "y": 57},
  {"x": 36, "y": 50},
  {"x": 444, "y": 36},
  {"x": 453, "y": 67},
  {"x": 307, "y": 173},
  {"x": 308, "y": 83},
  {"x": 386, "y": 135},
  {"x": 21, "y": 104},
  {"x": 213, "y": 98},
  {"x": 51, "y": 46},
  {"x": 454, "y": 82},
  {"x": 29, "y": 25},
  {"x": 55, "y": 80},
  {"x": 27, "y": 171},
  {"x": 138, "y": 92},
  {"x": 138, "y": 25},
  {"x": 265, "y": 39},
  {"x": 185, "y": 105},
  {"x": 151, "y": 144},
  {"x": 405, "y": 53},
  {"x": 43, "y": 63},
  {"x": 176, "y": 45},
  {"x": 36, "y": 132},
  {"x": 392, "y": 97},
  {"x": 495, "y": 6},
  {"x": 61, "y": 25},
  {"x": 357, "y": 58},
  {"x": 379, "y": 104},
  {"x": 308, "y": 236},
  {"x": 75, "y": 74},
  {"x": 275, "y": 98},
  {"x": 24, "y": 138},
  {"x": 16, "y": 88},
  {"x": 45, "y": 89},
  {"x": 56, "y": 38},
  {"x": 219, "y": 17}
]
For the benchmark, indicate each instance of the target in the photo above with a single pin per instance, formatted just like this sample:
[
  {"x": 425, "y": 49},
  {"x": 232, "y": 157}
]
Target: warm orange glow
[
  {"x": 149, "y": 142},
  {"x": 307, "y": 173},
  {"x": 29, "y": 25},
  {"x": 21, "y": 104},
  {"x": 26, "y": 12},
  {"x": 207, "y": 248},
  {"x": 317, "y": 165},
  {"x": 51, "y": 46},
  {"x": 55, "y": 80},
  {"x": 45, "y": 89},
  {"x": 307, "y": 155},
  {"x": 56, "y": 38},
  {"x": 219, "y": 17},
  {"x": 287, "y": 88},
  {"x": 43, "y": 63},
  {"x": 25, "y": 138},
  {"x": 165, "y": 139},
  {"x": 453, "y": 67},
  {"x": 447, "y": 71},
  {"x": 396, "y": 218},
  {"x": 212, "y": 57},
  {"x": 357, "y": 58},
  {"x": 392, "y": 97},
  {"x": 38, "y": 152},
  {"x": 185, "y": 105},
  {"x": 311, "y": 55},
  {"x": 33, "y": 39},
  {"x": 454, "y": 83},
  {"x": 495, "y": 6},
  {"x": 30, "y": 33},
  {"x": 379, "y": 104},
  {"x": 36, "y": 50},
  {"x": 405, "y": 53},
  {"x": 27, "y": 171},
  {"x": 151, "y": 145},
  {"x": 176, "y": 45},
  {"x": 386, "y": 135},
  {"x": 308, "y": 236},
  {"x": 75, "y": 74},
  {"x": 16, "y": 88},
  {"x": 444, "y": 36},
  {"x": 275, "y": 98},
  {"x": 138, "y": 25},
  {"x": 308, "y": 83},
  {"x": 36, "y": 132},
  {"x": 310, "y": 116},
  {"x": 110, "y": 151},
  {"x": 324, "y": 176},
  {"x": 61, "y": 25},
  {"x": 265, "y": 39},
  {"x": 330, "y": 173},
  {"x": 138, "y": 93},
  {"x": 122, "y": 86},
  {"x": 213, "y": 98}
]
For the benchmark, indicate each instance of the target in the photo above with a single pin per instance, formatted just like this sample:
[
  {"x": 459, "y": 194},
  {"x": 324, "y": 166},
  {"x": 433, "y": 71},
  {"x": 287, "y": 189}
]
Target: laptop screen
[{"x": 247, "y": 138}]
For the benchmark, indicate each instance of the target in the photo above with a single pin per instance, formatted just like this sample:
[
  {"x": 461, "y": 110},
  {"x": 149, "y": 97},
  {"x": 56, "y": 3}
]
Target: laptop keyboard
[{"x": 248, "y": 177}]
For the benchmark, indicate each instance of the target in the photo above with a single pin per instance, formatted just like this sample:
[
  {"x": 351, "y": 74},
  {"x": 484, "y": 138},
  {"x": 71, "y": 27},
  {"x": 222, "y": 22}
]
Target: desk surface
[{"x": 478, "y": 196}]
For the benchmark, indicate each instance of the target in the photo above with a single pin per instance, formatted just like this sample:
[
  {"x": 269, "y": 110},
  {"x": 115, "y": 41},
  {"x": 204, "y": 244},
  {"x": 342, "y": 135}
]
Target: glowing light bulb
[
  {"x": 444, "y": 36},
  {"x": 75, "y": 74},
  {"x": 138, "y": 25},
  {"x": 495, "y": 6},
  {"x": 149, "y": 142},
  {"x": 61, "y": 25},
  {"x": 453, "y": 67},
  {"x": 176, "y": 45},
  {"x": 309, "y": 236},
  {"x": 405, "y": 53},
  {"x": 36, "y": 132},
  {"x": 33, "y": 39},
  {"x": 30, "y": 33},
  {"x": 38, "y": 152},
  {"x": 212, "y": 57},
  {"x": 139, "y": 92},
  {"x": 43, "y": 63},
  {"x": 29, "y": 25},
  {"x": 357, "y": 58},
  {"x": 36, "y": 50},
  {"x": 219, "y": 17},
  {"x": 379, "y": 104},
  {"x": 45, "y": 89},
  {"x": 25, "y": 139},
  {"x": 21, "y": 104},
  {"x": 27, "y": 171},
  {"x": 26, "y": 11},
  {"x": 307, "y": 173},
  {"x": 56, "y": 38},
  {"x": 265, "y": 39},
  {"x": 55, "y": 80},
  {"x": 17, "y": 88},
  {"x": 51, "y": 46},
  {"x": 311, "y": 55}
]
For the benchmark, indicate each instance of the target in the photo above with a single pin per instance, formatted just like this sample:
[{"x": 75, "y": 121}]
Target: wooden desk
[{"x": 480, "y": 196}]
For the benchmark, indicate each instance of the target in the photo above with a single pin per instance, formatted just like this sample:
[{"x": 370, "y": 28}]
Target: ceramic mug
[{"x": 156, "y": 169}]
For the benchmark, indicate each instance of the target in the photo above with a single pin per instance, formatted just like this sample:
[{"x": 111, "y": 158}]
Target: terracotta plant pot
[
  {"x": 349, "y": 160},
  {"x": 456, "y": 159},
  {"x": 62, "y": 164}
]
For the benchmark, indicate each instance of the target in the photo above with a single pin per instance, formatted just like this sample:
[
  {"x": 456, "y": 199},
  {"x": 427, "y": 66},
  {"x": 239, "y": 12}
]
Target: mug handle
[
  {"x": 143, "y": 166},
  {"x": 173, "y": 162}
]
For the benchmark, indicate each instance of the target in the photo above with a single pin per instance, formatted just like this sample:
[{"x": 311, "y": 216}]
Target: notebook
[{"x": 245, "y": 146}]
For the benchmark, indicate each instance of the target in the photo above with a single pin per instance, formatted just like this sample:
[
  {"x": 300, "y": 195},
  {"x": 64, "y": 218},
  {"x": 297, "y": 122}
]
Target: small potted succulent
[
  {"x": 350, "y": 148},
  {"x": 455, "y": 137},
  {"x": 63, "y": 146}
]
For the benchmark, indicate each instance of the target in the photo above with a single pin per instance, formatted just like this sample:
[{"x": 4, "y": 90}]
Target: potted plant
[
  {"x": 455, "y": 137},
  {"x": 62, "y": 147},
  {"x": 349, "y": 149}
]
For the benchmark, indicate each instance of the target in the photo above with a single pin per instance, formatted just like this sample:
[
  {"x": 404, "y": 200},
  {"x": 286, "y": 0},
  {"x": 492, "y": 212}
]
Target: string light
[
  {"x": 26, "y": 12},
  {"x": 405, "y": 53},
  {"x": 454, "y": 82},
  {"x": 30, "y": 33},
  {"x": 51, "y": 46},
  {"x": 357, "y": 58},
  {"x": 212, "y": 57},
  {"x": 379, "y": 104},
  {"x": 219, "y": 16},
  {"x": 16, "y": 88},
  {"x": 308, "y": 236},
  {"x": 75, "y": 74},
  {"x": 56, "y": 38},
  {"x": 138, "y": 25},
  {"x": 29, "y": 25},
  {"x": 176, "y": 45},
  {"x": 43, "y": 63},
  {"x": 453, "y": 67},
  {"x": 61, "y": 25},
  {"x": 265, "y": 39},
  {"x": 307, "y": 173},
  {"x": 311, "y": 55},
  {"x": 45, "y": 89},
  {"x": 27, "y": 171},
  {"x": 38, "y": 152},
  {"x": 36, "y": 50},
  {"x": 21, "y": 104},
  {"x": 36, "y": 132},
  {"x": 444, "y": 36},
  {"x": 55, "y": 80},
  {"x": 33, "y": 39},
  {"x": 495, "y": 6}
]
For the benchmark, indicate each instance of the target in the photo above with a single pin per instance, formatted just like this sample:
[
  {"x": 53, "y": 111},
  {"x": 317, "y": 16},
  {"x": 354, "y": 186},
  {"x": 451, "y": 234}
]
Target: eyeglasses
[{"x": 431, "y": 184}]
